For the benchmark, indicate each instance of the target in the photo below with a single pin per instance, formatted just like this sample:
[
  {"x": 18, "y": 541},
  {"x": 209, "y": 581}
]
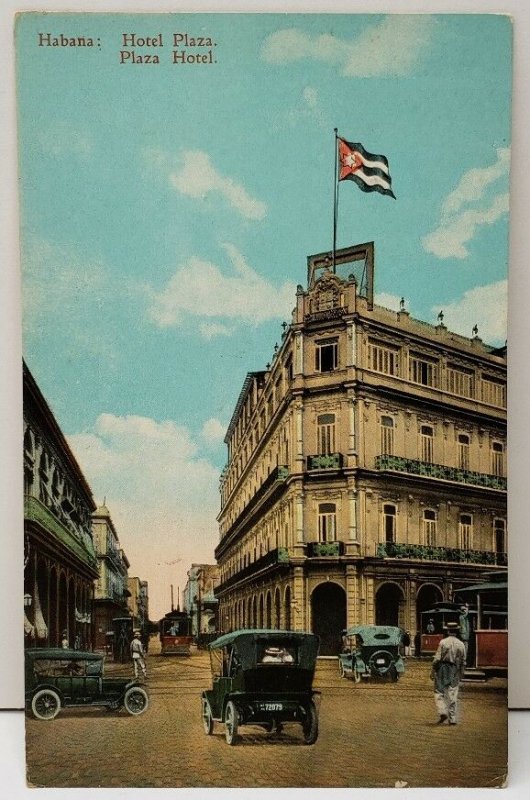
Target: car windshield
[{"x": 52, "y": 668}]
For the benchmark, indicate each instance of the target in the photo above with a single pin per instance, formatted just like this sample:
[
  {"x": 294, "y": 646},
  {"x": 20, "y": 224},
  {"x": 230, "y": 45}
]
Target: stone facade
[
  {"x": 111, "y": 590},
  {"x": 59, "y": 560},
  {"x": 138, "y": 603},
  {"x": 366, "y": 467},
  {"x": 200, "y": 601}
]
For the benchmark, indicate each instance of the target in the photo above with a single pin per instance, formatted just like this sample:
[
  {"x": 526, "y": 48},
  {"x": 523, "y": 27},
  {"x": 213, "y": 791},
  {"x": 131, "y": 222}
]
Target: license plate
[
  {"x": 380, "y": 661},
  {"x": 272, "y": 706}
]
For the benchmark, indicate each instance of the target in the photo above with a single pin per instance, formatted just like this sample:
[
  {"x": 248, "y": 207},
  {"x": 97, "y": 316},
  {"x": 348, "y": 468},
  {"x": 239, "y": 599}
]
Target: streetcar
[
  {"x": 434, "y": 622},
  {"x": 175, "y": 634},
  {"x": 490, "y": 599}
]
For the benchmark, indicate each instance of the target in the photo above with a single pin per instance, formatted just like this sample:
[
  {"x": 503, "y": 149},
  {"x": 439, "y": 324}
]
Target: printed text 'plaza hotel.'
[{"x": 366, "y": 465}]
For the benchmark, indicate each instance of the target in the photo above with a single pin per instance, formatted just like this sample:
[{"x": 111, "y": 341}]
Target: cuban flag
[{"x": 370, "y": 172}]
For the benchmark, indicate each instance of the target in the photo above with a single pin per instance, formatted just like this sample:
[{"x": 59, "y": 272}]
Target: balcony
[
  {"x": 279, "y": 555},
  {"x": 420, "y": 552},
  {"x": 266, "y": 493},
  {"x": 324, "y": 549},
  {"x": 324, "y": 462},
  {"x": 424, "y": 468}
]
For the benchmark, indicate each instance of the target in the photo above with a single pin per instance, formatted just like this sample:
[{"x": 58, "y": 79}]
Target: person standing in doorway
[
  {"x": 447, "y": 671},
  {"x": 137, "y": 653}
]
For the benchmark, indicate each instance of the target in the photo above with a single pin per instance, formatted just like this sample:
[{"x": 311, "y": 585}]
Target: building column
[
  {"x": 352, "y": 596},
  {"x": 298, "y": 353},
  {"x": 298, "y": 602}
]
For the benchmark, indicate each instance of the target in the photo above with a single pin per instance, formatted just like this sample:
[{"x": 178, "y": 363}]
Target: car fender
[{"x": 41, "y": 686}]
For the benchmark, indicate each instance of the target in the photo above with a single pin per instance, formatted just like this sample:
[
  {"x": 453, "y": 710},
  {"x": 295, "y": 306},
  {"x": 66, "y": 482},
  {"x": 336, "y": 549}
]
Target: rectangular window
[
  {"x": 497, "y": 459},
  {"x": 427, "y": 444},
  {"x": 429, "y": 528},
  {"x": 493, "y": 391},
  {"x": 460, "y": 381},
  {"x": 465, "y": 530},
  {"x": 499, "y": 530},
  {"x": 327, "y": 522},
  {"x": 326, "y": 355},
  {"x": 423, "y": 371},
  {"x": 383, "y": 359},
  {"x": 326, "y": 434},
  {"x": 387, "y": 436},
  {"x": 389, "y": 523},
  {"x": 463, "y": 451}
]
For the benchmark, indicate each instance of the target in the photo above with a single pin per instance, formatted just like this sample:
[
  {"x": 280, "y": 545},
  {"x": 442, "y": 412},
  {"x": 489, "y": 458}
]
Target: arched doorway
[
  {"x": 277, "y": 608},
  {"x": 328, "y": 616},
  {"x": 268, "y": 606},
  {"x": 427, "y": 595},
  {"x": 389, "y": 604}
]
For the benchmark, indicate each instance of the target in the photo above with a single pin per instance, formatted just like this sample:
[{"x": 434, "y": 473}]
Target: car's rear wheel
[
  {"x": 394, "y": 675},
  {"x": 135, "y": 700},
  {"x": 231, "y": 722},
  {"x": 207, "y": 719},
  {"x": 356, "y": 676},
  {"x": 310, "y": 726},
  {"x": 46, "y": 704},
  {"x": 387, "y": 662},
  {"x": 341, "y": 668}
]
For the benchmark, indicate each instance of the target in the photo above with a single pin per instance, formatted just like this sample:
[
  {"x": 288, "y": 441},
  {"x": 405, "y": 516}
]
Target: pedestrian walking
[
  {"x": 447, "y": 671},
  {"x": 137, "y": 653}
]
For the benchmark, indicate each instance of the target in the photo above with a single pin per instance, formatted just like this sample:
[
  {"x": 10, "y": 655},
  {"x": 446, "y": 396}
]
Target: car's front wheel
[
  {"x": 231, "y": 722},
  {"x": 46, "y": 704},
  {"x": 135, "y": 700},
  {"x": 310, "y": 726},
  {"x": 207, "y": 719}
]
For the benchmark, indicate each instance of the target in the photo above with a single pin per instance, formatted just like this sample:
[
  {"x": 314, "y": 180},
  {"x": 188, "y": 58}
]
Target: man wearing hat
[
  {"x": 137, "y": 653},
  {"x": 447, "y": 671}
]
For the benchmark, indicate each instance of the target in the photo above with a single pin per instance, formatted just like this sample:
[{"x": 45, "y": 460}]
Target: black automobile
[
  {"x": 263, "y": 678},
  {"x": 59, "y": 678}
]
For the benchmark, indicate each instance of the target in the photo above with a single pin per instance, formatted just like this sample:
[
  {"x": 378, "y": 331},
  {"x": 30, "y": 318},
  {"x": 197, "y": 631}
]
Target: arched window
[
  {"x": 427, "y": 443},
  {"x": 465, "y": 531},
  {"x": 497, "y": 459},
  {"x": 327, "y": 522},
  {"x": 387, "y": 436},
  {"x": 499, "y": 536},
  {"x": 389, "y": 523},
  {"x": 429, "y": 527},
  {"x": 463, "y": 451},
  {"x": 326, "y": 434}
]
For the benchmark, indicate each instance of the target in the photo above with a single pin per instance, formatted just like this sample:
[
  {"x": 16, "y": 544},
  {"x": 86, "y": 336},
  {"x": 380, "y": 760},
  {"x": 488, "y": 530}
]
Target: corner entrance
[{"x": 328, "y": 616}]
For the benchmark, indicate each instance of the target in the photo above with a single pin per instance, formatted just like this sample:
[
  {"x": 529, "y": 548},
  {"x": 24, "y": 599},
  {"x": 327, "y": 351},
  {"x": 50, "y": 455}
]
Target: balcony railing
[
  {"x": 320, "y": 549},
  {"x": 413, "y": 467},
  {"x": 279, "y": 555},
  {"x": 329, "y": 461},
  {"x": 423, "y": 552}
]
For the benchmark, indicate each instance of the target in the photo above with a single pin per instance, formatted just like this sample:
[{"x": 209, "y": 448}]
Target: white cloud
[
  {"x": 202, "y": 290},
  {"x": 390, "y": 47},
  {"x": 209, "y": 330},
  {"x": 466, "y": 209},
  {"x": 213, "y": 431},
  {"x": 162, "y": 496},
  {"x": 194, "y": 175},
  {"x": 391, "y": 301},
  {"x": 484, "y": 306},
  {"x": 62, "y": 291}
]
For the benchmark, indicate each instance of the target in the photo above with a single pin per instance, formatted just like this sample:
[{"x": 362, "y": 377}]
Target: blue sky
[{"x": 167, "y": 212}]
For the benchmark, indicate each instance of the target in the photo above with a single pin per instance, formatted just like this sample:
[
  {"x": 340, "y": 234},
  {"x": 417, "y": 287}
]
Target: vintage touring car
[
  {"x": 372, "y": 651},
  {"x": 59, "y": 678},
  {"x": 263, "y": 678}
]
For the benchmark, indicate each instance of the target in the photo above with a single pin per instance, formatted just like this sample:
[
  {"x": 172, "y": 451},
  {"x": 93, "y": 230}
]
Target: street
[{"x": 371, "y": 735}]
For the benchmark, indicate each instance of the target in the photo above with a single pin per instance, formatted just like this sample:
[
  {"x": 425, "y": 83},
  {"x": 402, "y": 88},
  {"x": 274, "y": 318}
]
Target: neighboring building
[
  {"x": 59, "y": 560},
  {"x": 199, "y": 598},
  {"x": 111, "y": 593},
  {"x": 366, "y": 465},
  {"x": 138, "y": 603}
]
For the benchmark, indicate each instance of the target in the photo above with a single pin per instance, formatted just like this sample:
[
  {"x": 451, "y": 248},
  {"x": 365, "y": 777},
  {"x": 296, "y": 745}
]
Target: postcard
[{"x": 265, "y": 269}]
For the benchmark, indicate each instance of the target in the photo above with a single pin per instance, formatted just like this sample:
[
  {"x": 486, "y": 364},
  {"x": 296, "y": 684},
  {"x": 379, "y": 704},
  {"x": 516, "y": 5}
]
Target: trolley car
[
  {"x": 490, "y": 598},
  {"x": 175, "y": 634}
]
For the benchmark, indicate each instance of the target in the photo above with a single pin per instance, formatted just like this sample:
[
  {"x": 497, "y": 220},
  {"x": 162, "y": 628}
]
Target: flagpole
[{"x": 335, "y": 199}]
